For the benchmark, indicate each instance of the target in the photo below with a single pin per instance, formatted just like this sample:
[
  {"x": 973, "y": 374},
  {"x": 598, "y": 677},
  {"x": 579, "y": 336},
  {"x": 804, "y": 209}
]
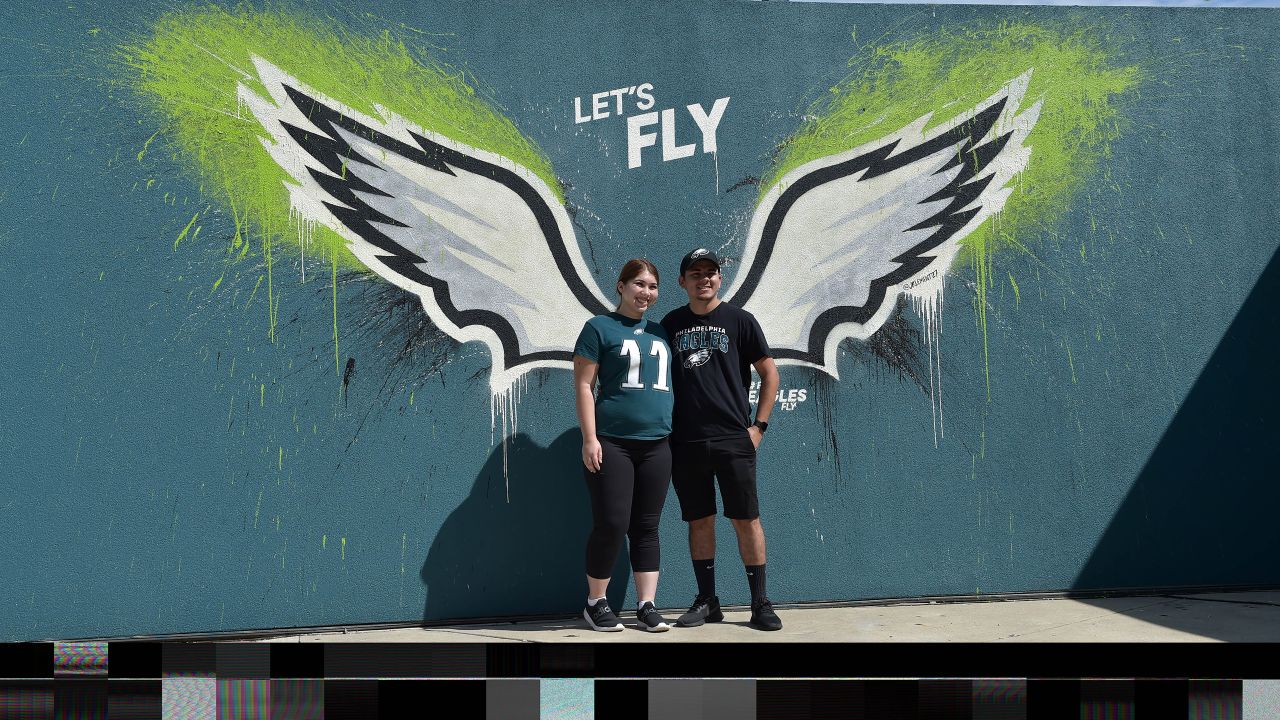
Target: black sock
[
  {"x": 755, "y": 578},
  {"x": 704, "y": 571}
]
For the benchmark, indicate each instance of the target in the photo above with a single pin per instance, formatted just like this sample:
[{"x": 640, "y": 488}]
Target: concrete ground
[{"x": 1207, "y": 617}]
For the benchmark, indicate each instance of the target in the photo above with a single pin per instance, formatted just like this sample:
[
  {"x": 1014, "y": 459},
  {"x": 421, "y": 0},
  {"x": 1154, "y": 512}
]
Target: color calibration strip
[{"x": 290, "y": 681}]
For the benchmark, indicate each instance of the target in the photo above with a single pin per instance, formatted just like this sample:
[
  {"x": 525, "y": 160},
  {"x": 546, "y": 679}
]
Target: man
[{"x": 714, "y": 346}]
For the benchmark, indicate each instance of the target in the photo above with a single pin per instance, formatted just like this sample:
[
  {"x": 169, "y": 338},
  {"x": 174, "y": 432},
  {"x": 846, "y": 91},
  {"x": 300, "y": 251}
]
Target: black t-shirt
[{"x": 711, "y": 370}]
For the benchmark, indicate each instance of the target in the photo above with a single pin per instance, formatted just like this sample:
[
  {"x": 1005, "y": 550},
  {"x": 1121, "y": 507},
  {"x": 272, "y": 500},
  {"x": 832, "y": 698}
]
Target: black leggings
[{"x": 626, "y": 499}]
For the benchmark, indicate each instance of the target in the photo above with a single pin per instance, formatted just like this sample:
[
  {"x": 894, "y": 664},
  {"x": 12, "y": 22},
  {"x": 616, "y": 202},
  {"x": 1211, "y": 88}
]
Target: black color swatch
[
  {"x": 1053, "y": 700},
  {"x": 564, "y": 660},
  {"x": 135, "y": 659},
  {"x": 297, "y": 660},
  {"x": 80, "y": 699},
  {"x": 404, "y": 660},
  {"x": 513, "y": 660},
  {"x": 622, "y": 699},
  {"x": 350, "y": 699},
  {"x": 26, "y": 660},
  {"x": 945, "y": 700},
  {"x": 134, "y": 699},
  {"x": 243, "y": 661},
  {"x": 1161, "y": 698},
  {"x": 185, "y": 659},
  {"x": 401, "y": 699}
]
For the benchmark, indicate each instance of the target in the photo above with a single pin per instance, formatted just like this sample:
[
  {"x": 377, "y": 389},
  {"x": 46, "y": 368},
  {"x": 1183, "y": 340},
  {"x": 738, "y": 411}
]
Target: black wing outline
[
  {"x": 974, "y": 146},
  {"x": 338, "y": 176}
]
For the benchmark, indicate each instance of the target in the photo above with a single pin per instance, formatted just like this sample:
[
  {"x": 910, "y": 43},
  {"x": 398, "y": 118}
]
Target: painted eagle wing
[
  {"x": 457, "y": 226},
  {"x": 833, "y": 244}
]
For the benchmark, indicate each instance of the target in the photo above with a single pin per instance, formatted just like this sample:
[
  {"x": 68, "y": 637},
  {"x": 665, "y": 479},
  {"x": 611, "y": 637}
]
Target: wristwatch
[{"x": 762, "y": 425}]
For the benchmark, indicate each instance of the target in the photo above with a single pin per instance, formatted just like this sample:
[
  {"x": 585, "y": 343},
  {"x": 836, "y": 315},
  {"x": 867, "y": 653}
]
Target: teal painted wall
[{"x": 179, "y": 455}]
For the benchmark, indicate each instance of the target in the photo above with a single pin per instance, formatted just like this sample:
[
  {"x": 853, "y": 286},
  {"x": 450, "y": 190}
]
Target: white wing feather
[
  {"x": 841, "y": 236},
  {"x": 474, "y": 235}
]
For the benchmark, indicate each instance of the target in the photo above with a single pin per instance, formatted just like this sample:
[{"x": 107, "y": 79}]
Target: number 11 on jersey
[{"x": 631, "y": 350}]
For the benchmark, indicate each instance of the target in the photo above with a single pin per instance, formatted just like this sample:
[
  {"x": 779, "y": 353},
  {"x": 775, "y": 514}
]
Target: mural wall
[{"x": 292, "y": 291}]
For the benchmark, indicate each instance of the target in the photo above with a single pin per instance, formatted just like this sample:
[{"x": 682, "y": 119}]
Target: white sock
[
  {"x": 592, "y": 601},
  {"x": 640, "y": 604}
]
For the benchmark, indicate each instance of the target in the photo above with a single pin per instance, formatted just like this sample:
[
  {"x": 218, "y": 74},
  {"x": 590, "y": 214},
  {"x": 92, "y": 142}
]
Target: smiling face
[
  {"x": 701, "y": 280},
  {"x": 638, "y": 294}
]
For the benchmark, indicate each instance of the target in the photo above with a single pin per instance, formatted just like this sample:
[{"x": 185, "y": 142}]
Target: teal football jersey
[{"x": 634, "y": 398}]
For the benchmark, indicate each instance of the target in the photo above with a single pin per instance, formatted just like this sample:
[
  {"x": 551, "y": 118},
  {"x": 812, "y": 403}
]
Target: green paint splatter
[
  {"x": 255, "y": 292},
  {"x": 147, "y": 144},
  {"x": 188, "y": 69},
  {"x": 271, "y": 302},
  {"x": 1017, "y": 296},
  {"x": 947, "y": 73},
  {"x": 950, "y": 72},
  {"x": 185, "y": 230}
]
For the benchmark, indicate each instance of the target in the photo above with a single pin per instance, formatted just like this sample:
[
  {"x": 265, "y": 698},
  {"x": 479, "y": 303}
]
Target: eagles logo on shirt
[{"x": 697, "y": 358}]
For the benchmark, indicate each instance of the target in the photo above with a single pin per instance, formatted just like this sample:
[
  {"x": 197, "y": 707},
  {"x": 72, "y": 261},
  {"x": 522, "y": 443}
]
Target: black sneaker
[
  {"x": 763, "y": 617},
  {"x": 704, "y": 609},
  {"x": 647, "y": 618},
  {"x": 601, "y": 618}
]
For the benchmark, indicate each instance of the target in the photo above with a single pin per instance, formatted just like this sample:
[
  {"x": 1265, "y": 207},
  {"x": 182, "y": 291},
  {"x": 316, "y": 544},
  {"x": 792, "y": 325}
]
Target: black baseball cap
[{"x": 695, "y": 256}]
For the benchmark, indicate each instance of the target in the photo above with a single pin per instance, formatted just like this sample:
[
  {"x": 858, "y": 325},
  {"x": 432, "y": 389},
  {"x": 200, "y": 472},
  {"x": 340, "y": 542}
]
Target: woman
[{"x": 624, "y": 441}]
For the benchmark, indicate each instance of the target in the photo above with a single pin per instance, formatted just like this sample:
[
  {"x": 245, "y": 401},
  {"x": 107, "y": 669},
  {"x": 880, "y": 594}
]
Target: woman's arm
[{"x": 584, "y": 377}]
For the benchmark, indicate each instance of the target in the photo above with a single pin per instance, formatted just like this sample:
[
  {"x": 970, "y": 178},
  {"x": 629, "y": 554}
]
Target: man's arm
[{"x": 768, "y": 393}]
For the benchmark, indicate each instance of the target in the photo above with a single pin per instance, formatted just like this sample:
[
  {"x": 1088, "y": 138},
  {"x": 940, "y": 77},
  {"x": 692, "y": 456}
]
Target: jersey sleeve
[
  {"x": 754, "y": 348},
  {"x": 588, "y": 344}
]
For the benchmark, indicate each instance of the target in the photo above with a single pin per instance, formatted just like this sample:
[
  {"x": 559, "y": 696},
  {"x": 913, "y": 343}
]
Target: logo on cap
[{"x": 698, "y": 253}]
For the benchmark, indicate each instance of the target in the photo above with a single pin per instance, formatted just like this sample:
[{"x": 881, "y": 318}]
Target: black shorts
[{"x": 731, "y": 461}]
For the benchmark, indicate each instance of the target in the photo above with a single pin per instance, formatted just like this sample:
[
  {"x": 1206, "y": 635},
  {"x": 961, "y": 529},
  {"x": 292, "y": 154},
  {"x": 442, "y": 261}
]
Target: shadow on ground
[
  {"x": 516, "y": 546},
  {"x": 1203, "y": 509}
]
